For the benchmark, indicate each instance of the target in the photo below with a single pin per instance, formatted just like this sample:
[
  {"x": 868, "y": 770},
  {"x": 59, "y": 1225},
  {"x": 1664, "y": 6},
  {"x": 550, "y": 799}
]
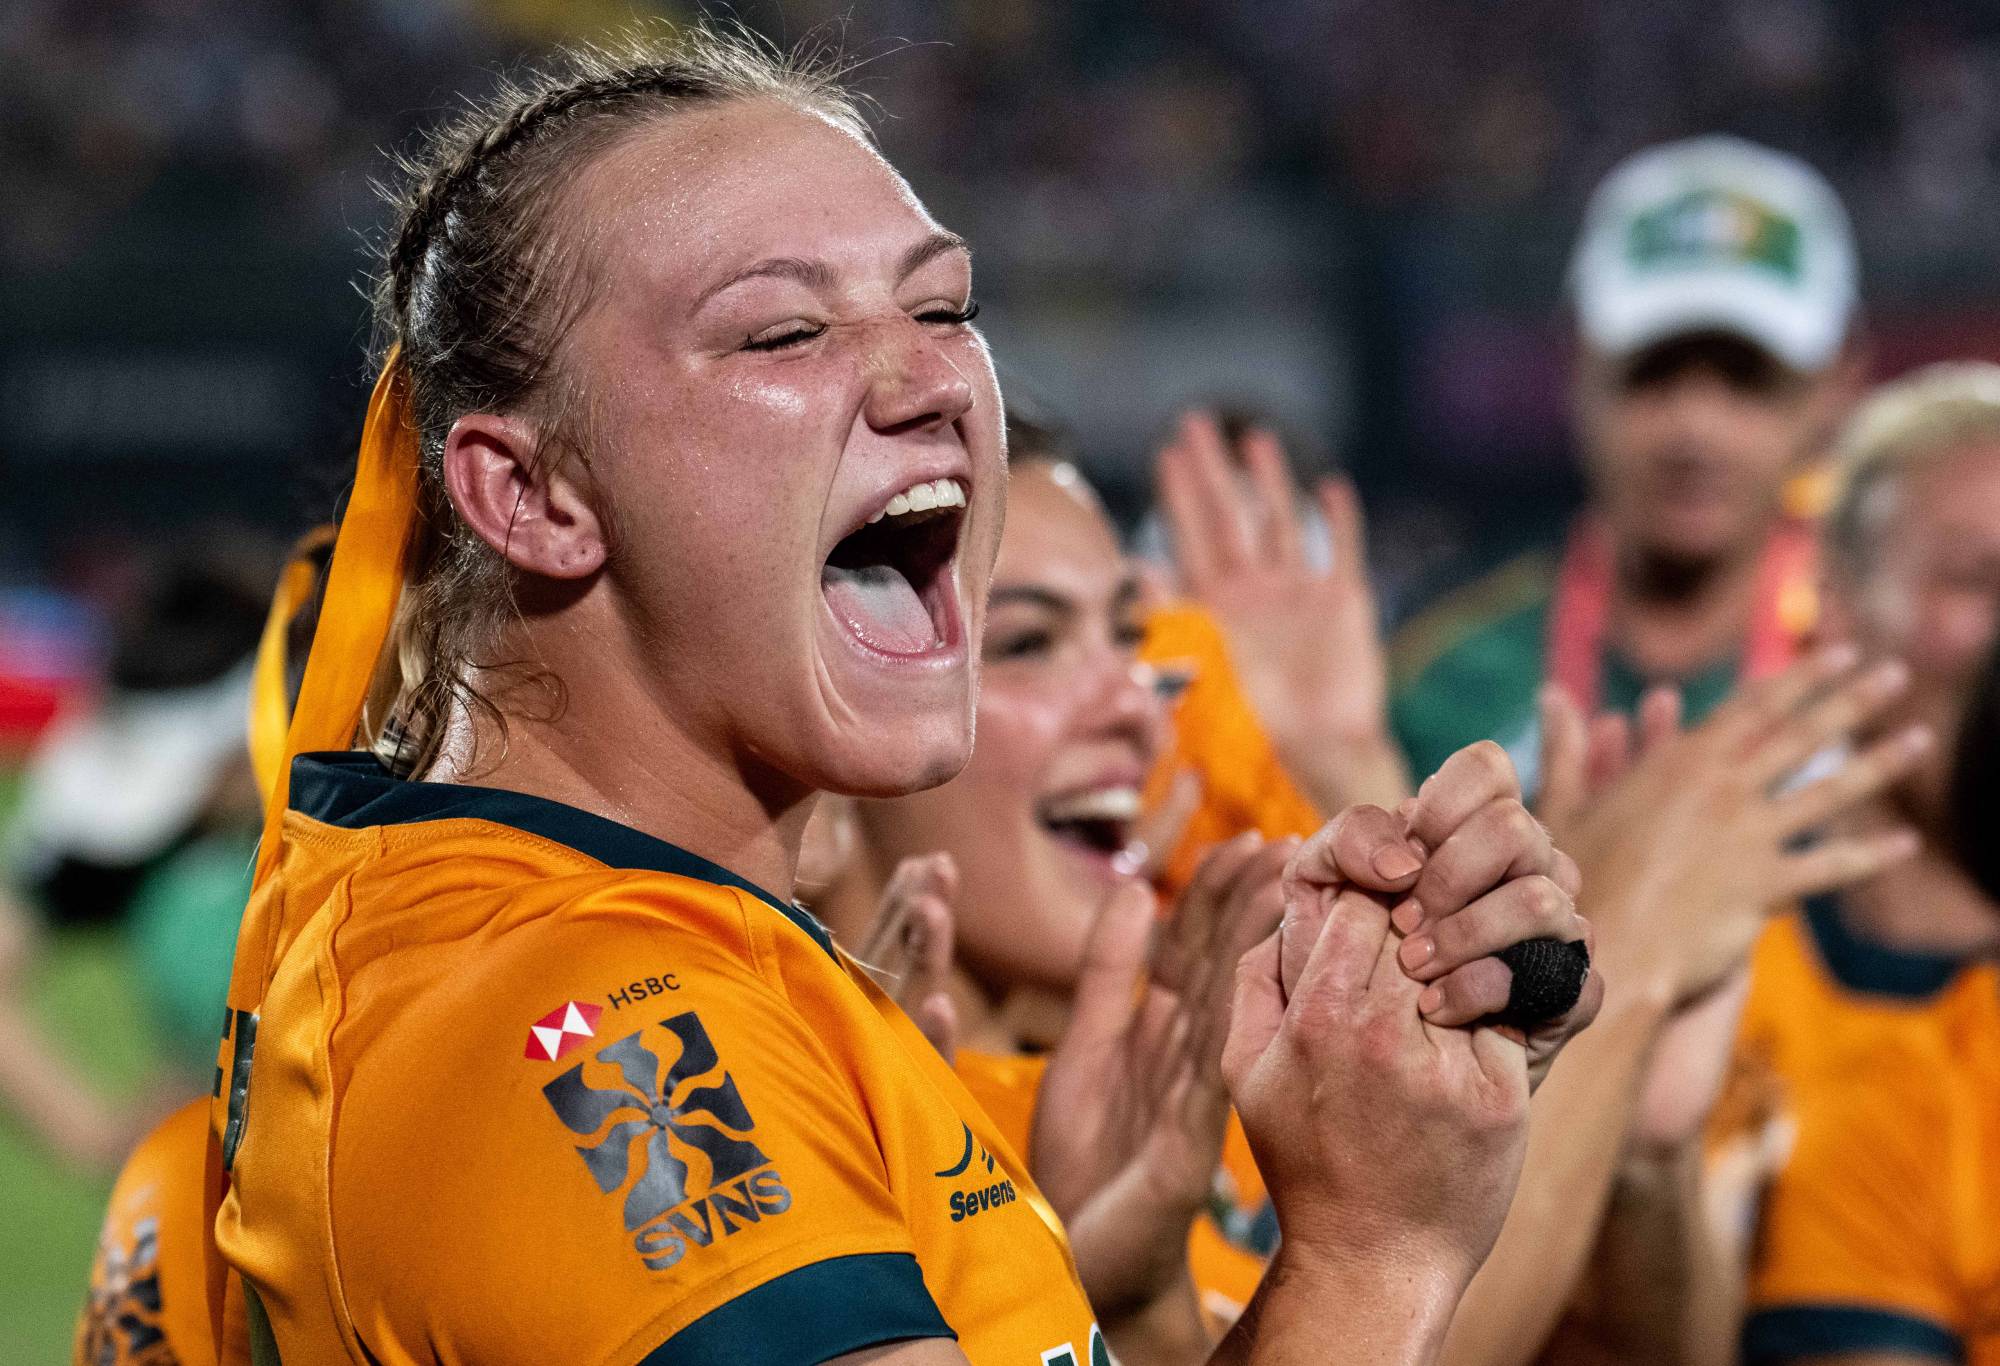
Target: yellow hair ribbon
[
  {"x": 362, "y": 589},
  {"x": 270, "y": 706}
]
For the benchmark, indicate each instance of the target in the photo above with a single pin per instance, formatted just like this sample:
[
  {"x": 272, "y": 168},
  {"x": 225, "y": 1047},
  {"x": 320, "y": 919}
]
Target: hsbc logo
[{"x": 676, "y": 1141}]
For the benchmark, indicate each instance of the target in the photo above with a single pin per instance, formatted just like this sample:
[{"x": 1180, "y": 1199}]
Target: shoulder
[
  {"x": 148, "y": 1280},
  {"x": 1856, "y": 1248}
]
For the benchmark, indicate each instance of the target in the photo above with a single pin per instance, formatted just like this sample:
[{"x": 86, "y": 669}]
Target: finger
[
  {"x": 1567, "y": 875},
  {"x": 1659, "y": 717},
  {"x": 1271, "y": 477},
  {"x": 1353, "y": 945},
  {"x": 1194, "y": 550},
  {"x": 1857, "y": 779},
  {"x": 1525, "y": 908},
  {"x": 1364, "y": 845},
  {"x": 1114, "y": 961},
  {"x": 1478, "y": 774},
  {"x": 936, "y": 1018},
  {"x": 929, "y": 932},
  {"x": 1841, "y": 861},
  {"x": 1192, "y": 923},
  {"x": 1346, "y": 526},
  {"x": 1766, "y": 704},
  {"x": 1158, "y": 833},
  {"x": 1547, "y": 1040},
  {"x": 1499, "y": 841},
  {"x": 1610, "y": 749},
  {"x": 1256, "y": 901},
  {"x": 1828, "y": 719},
  {"x": 1565, "y": 754},
  {"x": 1256, "y": 1010},
  {"x": 1504, "y": 1062},
  {"x": 1254, "y": 908},
  {"x": 1473, "y": 992},
  {"x": 1214, "y": 479}
]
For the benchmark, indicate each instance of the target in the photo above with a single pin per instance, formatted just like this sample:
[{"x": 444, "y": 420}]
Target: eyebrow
[
  {"x": 818, "y": 275},
  {"x": 1028, "y": 594}
]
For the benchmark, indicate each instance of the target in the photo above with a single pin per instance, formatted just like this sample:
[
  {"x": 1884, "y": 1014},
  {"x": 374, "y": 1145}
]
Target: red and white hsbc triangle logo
[{"x": 562, "y": 1030}]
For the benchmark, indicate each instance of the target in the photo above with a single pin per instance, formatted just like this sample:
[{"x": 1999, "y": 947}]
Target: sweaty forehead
[{"x": 706, "y": 191}]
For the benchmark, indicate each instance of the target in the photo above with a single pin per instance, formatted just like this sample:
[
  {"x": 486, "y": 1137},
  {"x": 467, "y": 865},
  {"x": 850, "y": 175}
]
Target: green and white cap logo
[{"x": 1716, "y": 233}]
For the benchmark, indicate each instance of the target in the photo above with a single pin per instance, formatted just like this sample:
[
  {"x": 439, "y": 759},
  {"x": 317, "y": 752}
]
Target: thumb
[
  {"x": 1114, "y": 964},
  {"x": 1255, "y": 1014}
]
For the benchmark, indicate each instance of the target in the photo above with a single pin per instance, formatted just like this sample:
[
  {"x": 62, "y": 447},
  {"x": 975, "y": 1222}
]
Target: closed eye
[
  {"x": 791, "y": 335},
  {"x": 951, "y": 317}
]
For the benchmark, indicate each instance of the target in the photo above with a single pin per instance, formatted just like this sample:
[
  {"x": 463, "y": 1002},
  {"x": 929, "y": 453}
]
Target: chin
[{"x": 898, "y": 762}]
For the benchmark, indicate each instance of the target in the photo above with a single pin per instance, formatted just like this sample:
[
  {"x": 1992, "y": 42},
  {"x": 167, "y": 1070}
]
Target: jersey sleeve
[
  {"x": 1853, "y": 1250},
  {"x": 619, "y": 1146}
]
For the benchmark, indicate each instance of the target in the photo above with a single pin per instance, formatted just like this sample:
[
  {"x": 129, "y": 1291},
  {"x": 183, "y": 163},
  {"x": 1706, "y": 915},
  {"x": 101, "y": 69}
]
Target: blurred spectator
[
  {"x": 1714, "y": 283},
  {"x": 139, "y": 811}
]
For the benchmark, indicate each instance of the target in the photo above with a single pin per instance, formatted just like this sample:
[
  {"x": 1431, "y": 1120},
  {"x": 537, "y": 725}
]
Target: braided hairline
[
  {"x": 437, "y": 194},
  {"x": 702, "y": 64}
]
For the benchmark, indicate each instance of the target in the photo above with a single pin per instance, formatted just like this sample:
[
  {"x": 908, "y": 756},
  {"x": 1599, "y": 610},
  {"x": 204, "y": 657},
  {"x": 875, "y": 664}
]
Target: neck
[
  {"x": 1924, "y": 905},
  {"x": 608, "y": 749},
  {"x": 1671, "y": 618}
]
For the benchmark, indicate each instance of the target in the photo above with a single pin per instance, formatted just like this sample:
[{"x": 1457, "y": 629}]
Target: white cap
[{"x": 1716, "y": 233}]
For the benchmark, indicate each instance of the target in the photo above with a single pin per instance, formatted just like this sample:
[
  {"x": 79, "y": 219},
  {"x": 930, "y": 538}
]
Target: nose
[
  {"x": 1123, "y": 702},
  {"x": 914, "y": 385}
]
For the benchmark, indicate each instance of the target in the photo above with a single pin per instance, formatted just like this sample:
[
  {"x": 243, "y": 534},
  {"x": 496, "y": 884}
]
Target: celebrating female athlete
[{"x": 680, "y": 493}]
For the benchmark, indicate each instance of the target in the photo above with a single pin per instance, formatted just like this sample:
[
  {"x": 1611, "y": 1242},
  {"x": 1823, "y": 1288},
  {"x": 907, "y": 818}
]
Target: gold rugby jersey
[
  {"x": 1881, "y": 1230},
  {"x": 530, "y": 1086}
]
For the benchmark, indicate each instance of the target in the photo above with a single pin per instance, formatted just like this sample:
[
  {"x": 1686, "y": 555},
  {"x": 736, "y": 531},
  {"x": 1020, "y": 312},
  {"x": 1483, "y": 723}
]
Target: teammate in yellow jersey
[
  {"x": 531, "y": 1056},
  {"x": 148, "y": 1303},
  {"x": 1876, "y": 1014}
]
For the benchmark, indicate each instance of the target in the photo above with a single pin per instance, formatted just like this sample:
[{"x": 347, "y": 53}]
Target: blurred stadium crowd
[{"x": 1349, "y": 222}]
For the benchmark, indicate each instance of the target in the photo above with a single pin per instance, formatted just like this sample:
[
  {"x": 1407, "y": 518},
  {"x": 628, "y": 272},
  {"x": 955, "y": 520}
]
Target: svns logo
[{"x": 655, "y": 1123}]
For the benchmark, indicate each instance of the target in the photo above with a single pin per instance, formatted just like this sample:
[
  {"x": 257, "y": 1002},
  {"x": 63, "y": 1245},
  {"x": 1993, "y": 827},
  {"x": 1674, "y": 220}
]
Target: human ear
[{"x": 536, "y": 517}]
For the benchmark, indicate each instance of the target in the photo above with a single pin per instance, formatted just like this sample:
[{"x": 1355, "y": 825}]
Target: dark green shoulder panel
[{"x": 1469, "y": 667}]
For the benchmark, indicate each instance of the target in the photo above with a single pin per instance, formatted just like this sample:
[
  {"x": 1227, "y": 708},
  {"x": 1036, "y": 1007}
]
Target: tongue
[{"x": 880, "y": 607}]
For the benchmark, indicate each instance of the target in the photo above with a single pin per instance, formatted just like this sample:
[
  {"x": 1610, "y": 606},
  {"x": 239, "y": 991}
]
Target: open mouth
[
  {"x": 1098, "y": 821},
  {"x": 890, "y": 581}
]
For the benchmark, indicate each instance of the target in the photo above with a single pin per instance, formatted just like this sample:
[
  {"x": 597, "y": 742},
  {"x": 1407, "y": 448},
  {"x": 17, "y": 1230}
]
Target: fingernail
[
  {"x": 1408, "y": 917},
  {"x": 1395, "y": 862},
  {"x": 1841, "y": 656},
  {"x": 1432, "y": 998},
  {"x": 1416, "y": 951},
  {"x": 1918, "y": 740}
]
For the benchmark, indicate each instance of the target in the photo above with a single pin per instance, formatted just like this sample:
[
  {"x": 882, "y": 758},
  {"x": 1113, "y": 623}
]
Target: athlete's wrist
[{"x": 1377, "y": 1310}]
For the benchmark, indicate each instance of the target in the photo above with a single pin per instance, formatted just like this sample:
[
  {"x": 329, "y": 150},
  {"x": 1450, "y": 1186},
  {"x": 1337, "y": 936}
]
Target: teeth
[
  {"x": 924, "y": 497},
  {"x": 1102, "y": 804}
]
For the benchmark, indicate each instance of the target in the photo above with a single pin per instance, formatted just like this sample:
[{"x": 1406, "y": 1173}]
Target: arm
[
  {"x": 1659, "y": 1289},
  {"x": 38, "y": 1084}
]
